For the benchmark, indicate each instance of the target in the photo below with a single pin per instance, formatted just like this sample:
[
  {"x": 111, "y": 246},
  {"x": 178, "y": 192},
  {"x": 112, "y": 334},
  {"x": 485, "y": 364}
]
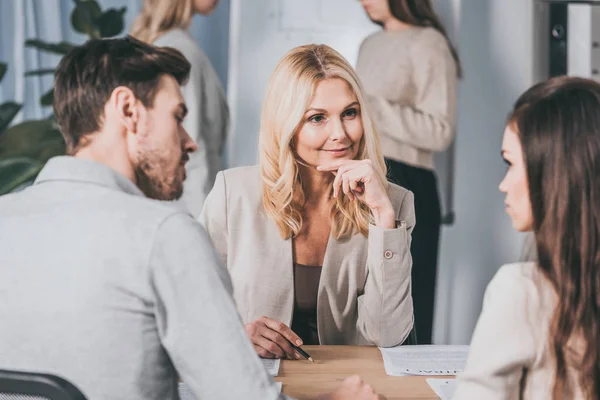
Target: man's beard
[{"x": 155, "y": 186}]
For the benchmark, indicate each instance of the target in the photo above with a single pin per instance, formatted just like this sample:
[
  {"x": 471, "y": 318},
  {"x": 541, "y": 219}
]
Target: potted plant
[{"x": 26, "y": 147}]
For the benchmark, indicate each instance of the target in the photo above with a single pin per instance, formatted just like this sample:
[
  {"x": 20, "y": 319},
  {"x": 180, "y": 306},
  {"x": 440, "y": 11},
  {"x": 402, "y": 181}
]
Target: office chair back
[{"x": 17, "y": 385}]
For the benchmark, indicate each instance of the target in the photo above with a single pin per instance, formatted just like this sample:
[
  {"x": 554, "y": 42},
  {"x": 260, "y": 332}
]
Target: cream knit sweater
[{"x": 410, "y": 81}]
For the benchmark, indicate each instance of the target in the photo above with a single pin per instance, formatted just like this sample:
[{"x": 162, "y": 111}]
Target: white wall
[{"x": 495, "y": 40}]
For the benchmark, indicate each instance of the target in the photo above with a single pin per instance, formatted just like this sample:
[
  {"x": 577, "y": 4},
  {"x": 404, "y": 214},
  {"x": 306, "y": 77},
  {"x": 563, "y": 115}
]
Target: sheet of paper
[
  {"x": 424, "y": 360},
  {"x": 279, "y": 386},
  {"x": 444, "y": 388},
  {"x": 272, "y": 365}
]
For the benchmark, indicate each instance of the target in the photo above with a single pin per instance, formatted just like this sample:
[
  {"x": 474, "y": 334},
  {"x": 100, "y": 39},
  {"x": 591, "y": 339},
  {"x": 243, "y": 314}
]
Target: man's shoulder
[
  {"x": 150, "y": 211},
  {"x": 92, "y": 202},
  {"x": 9, "y": 200}
]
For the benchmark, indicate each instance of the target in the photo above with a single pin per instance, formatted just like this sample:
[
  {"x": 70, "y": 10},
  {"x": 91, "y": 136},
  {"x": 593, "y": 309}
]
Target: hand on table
[
  {"x": 271, "y": 339},
  {"x": 353, "y": 388}
]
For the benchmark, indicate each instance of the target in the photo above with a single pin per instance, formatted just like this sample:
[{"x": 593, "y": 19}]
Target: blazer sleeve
[
  {"x": 214, "y": 217},
  {"x": 385, "y": 309},
  {"x": 503, "y": 345},
  {"x": 429, "y": 124}
]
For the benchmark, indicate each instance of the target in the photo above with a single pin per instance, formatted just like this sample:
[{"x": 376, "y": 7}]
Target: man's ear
[{"x": 126, "y": 107}]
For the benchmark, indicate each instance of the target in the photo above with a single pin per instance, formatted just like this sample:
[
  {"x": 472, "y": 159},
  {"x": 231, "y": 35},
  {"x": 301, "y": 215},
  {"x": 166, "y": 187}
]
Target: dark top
[{"x": 306, "y": 289}]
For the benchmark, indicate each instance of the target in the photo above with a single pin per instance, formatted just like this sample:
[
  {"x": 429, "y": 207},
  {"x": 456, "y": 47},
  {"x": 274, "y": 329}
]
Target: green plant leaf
[
  {"x": 84, "y": 17},
  {"x": 38, "y": 140},
  {"x": 40, "y": 72},
  {"x": 3, "y": 68},
  {"x": 14, "y": 172},
  {"x": 58, "y": 48},
  {"x": 48, "y": 98},
  {"x": 8, "y": 111}
]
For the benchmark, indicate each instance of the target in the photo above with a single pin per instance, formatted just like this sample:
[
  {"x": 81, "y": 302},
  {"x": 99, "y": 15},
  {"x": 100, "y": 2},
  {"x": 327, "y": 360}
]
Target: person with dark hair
[
  {"x": 103, "y": 285},
  {"x": 410, "y": 72},
  {"x": 538, "y": 336}
]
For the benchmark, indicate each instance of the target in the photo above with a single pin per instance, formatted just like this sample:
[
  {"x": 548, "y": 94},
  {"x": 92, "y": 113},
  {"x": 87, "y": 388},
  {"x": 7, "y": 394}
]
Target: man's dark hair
[{"x": 88, "y": 74}]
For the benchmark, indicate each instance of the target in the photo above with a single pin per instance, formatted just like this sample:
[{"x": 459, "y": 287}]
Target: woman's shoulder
[
  {"x": 374, "y": 41},
  {"x": 242, "y": 175},
  {"x": 521, "y": 282},
  {"x": 173, "y": 37},
  {"x": 238, "y": 189},
  {"x": 430, "y": 36},
  {"x": 428, "y": 40},
  {"x": 372, "y": 37},
  {"x": 243, "y": 182},
  {"x": 182, "y": 40},
  {"x": 524, "y": 272}
]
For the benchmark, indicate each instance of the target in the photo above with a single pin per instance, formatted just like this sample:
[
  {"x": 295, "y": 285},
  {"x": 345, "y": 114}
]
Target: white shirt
[{"x": 509, "y": 358}]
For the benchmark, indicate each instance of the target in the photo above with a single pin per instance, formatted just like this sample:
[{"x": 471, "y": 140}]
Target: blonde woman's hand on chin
[
  {"x": 353, "y": 388},
  {"x": 271, "y": 339},
  {"x": 357, "y": 180}
]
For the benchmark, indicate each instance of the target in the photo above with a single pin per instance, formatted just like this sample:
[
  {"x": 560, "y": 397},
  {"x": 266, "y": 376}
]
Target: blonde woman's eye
[
  {"x": 317, "y": 118},
  {"x": 350, "y": 113}
]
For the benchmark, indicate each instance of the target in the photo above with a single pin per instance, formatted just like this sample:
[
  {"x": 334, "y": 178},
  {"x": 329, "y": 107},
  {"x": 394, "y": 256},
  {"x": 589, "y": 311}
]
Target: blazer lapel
[{"x": 274, "y": 286}]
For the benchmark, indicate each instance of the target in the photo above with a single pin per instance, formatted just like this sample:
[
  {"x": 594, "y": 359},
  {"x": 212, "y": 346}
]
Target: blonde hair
[
  {"x": 159, "y": 16},
  {"x": 289, "y": 93}
]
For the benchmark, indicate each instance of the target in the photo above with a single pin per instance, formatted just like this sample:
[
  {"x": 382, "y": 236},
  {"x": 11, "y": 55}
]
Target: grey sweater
[
  {"x": 410, "y": 81},
  {"x": 117, "y": 293}
]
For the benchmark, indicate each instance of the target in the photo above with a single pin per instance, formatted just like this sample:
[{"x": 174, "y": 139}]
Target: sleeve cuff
[{"x": 388, "y": 244}]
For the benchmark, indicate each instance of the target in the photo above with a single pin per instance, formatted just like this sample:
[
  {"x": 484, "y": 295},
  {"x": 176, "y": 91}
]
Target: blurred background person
[
  {"x": 409, "y": 72},
  {"x": 165, "y": 23}
]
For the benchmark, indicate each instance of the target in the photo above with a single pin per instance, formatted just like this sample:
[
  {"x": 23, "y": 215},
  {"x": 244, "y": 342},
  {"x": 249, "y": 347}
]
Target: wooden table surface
[{"x": 305, "y": 380}]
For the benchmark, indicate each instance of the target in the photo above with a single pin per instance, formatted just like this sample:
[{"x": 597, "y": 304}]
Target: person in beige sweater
[
  {"x": 316, "y": 240},
  {"x": 166, "y": 23},
  {"x": 409, "y": 72},
  {"x": 538, "y": 336}
]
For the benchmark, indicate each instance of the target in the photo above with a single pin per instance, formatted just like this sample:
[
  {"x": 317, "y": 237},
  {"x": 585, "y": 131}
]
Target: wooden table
[{"x": 305, "y": 380}]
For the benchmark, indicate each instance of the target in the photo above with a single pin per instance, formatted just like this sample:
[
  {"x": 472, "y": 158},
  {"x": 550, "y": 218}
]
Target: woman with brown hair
[
  {"x": 538, "y": 336},
  {"x": 409, "y": 72}
]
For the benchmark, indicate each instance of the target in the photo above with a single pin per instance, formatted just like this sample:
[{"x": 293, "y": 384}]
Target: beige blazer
[
  {"x": 364, "y": 294},
  {"x": 509, "y": 357}
]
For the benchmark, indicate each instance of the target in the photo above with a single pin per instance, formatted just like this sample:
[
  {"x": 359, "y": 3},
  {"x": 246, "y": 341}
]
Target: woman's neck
[
  {"x": 395, "y": 25},
  {"x": 317, "y": 186}
]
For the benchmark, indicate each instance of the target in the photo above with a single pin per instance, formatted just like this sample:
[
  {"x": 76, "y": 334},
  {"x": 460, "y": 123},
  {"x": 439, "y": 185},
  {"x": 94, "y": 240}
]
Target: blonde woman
[
  {"x": 315, "y": 239},
  {"x": 165, "y": 23}
]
